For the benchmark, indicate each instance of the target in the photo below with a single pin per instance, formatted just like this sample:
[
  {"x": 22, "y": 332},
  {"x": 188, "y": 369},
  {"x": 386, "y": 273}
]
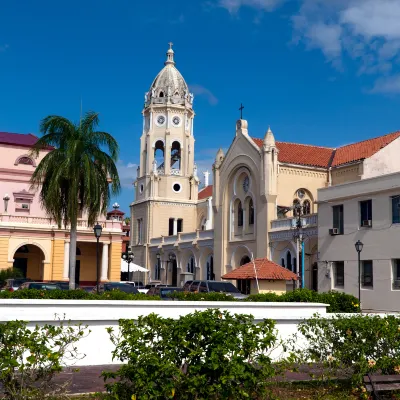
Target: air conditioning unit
[
  {"x": 366, "y": 223},
  {"x": 334, "y": 231}
]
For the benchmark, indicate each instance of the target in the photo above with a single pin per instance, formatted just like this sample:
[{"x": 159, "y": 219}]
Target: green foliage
[
  {"x": 73, "y": 295},
  {"x": 192, "y": 296},
  {"x": 359, "y": 344},
  {"x": 30, "y": 357},
  {"x": 338, "y": 302},
  {"x": 8, "y": 274},
  {"x": 205, "y": 355}
]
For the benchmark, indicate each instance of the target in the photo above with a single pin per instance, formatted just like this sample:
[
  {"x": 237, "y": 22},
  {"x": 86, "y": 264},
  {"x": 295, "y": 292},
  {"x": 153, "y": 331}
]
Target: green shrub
[
  {"x": 73, "y": 295},
  {"x": 30, "y": 357},
  {"x": 360, "y": 344},
  {"x": 338, "y": 302},
  {"x": 192, "y": 296},
  {"x": 205, "y": 355}
]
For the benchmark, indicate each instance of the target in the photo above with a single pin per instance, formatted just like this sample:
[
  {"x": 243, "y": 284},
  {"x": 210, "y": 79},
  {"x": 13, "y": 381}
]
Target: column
[
  {"x": 104, "y": 263},
  {"x": 209, "y": 223},
  {"x": 66, "y": 261},
  {"x": 175, "y": 226}
]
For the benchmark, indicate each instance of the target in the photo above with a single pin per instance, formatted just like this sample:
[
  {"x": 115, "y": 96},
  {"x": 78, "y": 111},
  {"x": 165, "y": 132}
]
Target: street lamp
[
  {"x": 359, "y": 246},
  {"x": 6, "y": 199},
  {"x": 97, "y": 233},
  {"x": 128, "y": 257}
]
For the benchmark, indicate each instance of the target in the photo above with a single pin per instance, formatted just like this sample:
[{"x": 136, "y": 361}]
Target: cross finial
[
  {"x": 241, "y": 110},
  {"x": 170, "y": 45}
]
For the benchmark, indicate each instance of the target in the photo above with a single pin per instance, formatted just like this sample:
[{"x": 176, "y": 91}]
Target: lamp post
[
  {"x": 97, "y": 233},
  {"x": 359, "y": 246},
  {"x": 128, "y": 257},
  {"x": 6, "y": 199}
]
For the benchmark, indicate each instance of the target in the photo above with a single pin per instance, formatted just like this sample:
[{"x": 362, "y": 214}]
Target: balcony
[
  {"x": 26, "y": 221},
  {"x": 284, "y": 224},
  {"x": 183, "y": 238}
]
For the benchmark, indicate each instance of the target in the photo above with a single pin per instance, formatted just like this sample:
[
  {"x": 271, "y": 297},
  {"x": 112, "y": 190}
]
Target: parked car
[
  {"x": 40, "y": 286},
  {"x": 186, "y": 286},
  {"x": 133, "y": 283},
  {"x": 63, "y": 285},
  {"x": 163, "y": 291},
  {"x": 14, "y": 283},
  {"x": 146, "y": 288},
  {"x": 109, "y": 286},
  {"x": 214, "y": 286}
]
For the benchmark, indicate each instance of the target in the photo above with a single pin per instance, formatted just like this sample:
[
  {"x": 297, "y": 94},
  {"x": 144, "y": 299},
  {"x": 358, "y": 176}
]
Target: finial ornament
[
  {"x": 170, "y": 45},
  {"x": 170, "y": 55}
]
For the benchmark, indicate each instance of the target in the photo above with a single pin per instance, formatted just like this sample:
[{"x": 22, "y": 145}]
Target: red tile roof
[
  {"x": 266, "y": 270},
  {"x": 18, "y": 139},
  {"x": 115, "y": 212},
  {"x": 206, "y": 192},
  {"x": 324, "y": 157},
  {"x": 361, "y": 150}
]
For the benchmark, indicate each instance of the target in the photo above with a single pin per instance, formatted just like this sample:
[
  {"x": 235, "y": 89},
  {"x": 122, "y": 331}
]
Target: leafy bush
[
  {"x": 29, "y": 358},
  {"x": 338, "y": 302},
  {"x": 191, "y": 296},
  {"x": 8, "y": 274},
  {"x": 73, "y": 295},
  {"x": 360, "y": 344},
  {"x": 205, "y": 355}
]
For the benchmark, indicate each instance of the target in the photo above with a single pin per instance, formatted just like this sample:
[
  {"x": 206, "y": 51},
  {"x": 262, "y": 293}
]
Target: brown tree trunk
[{"x": 72, "y": 255}]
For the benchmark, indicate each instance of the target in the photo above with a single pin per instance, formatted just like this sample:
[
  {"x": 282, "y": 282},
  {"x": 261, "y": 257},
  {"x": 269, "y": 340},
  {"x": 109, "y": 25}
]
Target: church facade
[{"x": 263, "y": 201}]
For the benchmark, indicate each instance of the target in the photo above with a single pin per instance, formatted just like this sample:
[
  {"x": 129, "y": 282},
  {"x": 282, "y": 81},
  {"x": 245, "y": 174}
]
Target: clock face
[
  {"x": 176, "y": 121},
  {"x": 160, "y": 120},
  {"x": 246, "y": 184}
]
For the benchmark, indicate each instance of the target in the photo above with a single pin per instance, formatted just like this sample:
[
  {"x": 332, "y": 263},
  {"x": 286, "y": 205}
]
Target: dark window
[
  {"x": 365, "y": 211},
  {"x": 396, "y": 274},
  {"x": 180, "y": 225},
  {"x": 240, "y": 214},
  {"x": 367, "y": 274},
  {"x": 339, "y": 274},
  {"x": 306, "y": 207},
  {"x": 283, "y": 262},
  {"x": 296, "y": 208},
  {"x": 190, "y": 265},
  {"x": 157, "y": 272},
  {"x": 289, "y": 261},
  {"x": 222, "y": 287},
  {"x": 396, "y": 209},
  {"x": 171, "y": 227},
  {"x": 203, "y": 287},
  {"x": 161, "y": 94},
  {"x": 251, "y": 212},
  {"x": 244, "y": 285},
  {"x": 338, "y": 218}
]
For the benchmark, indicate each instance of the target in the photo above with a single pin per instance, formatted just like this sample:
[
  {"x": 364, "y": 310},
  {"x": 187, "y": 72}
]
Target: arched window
[
  {"x": 190, "y": 265},
  {"x": 25, "y": 160},
  {"x": 159, "y": 154},
  {"x": 251, "y": 212},
  {"x": 289, "y": 261},
  {"x": 203, "y": 223},
  {"x": 306, "y": 207},
  {"x": 161, "y": 94},
  {"x": 283, "y": 262},
  {"x": 175, "y": 156},
  {"x": 245, "y": 260},
  {"x": 240, "y": 214},
  {"x": 210, "y": 268},
  {"x": 296, "y": 207}
]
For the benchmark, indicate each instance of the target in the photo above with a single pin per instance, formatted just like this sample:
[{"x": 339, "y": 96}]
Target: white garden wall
[{"x": 99, "y": 315}]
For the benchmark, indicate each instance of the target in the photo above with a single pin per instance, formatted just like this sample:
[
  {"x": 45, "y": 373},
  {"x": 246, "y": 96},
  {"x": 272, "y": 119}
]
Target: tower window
[
  {"x": 176, "y": 187},
  {"x": 240, "y": 214},
  {"x": 180, "y": 225},
  {"x": 251, "y": 212},
  {"x": 161, "y": 94},
  {"x": 171, "y": 227},
  {"x": 176, "y": 156}
]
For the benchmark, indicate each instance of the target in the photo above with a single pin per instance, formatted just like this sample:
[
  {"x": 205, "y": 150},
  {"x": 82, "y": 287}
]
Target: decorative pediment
[
  {"x": 25, "y": 159},
  {"x": 23, "y": 195}
]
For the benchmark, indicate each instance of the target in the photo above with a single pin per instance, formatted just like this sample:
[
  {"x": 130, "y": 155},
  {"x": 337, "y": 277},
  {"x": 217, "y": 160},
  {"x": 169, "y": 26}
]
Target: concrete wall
[
  {"x": 277, "y": 287},
  {"x": 381, "y": 241},
  {"x": 99, "y": 315}
]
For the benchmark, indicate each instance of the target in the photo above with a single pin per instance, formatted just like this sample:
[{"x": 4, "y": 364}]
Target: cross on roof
[
  {"x": 170, "y": 45},
  {"x": 241, "y": 110}
]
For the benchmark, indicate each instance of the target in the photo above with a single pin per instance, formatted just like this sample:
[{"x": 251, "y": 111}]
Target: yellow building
[{"x": 31, "y": 241}]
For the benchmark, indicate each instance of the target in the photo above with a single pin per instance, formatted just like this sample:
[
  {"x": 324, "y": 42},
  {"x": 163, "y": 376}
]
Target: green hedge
[
  {"x": 338, "y": 302},
  {"x": 73, "y": 295}
]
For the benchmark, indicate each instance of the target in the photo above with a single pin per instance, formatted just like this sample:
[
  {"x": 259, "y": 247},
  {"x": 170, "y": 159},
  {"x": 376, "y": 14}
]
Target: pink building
[{"x": 30, "y": 240}]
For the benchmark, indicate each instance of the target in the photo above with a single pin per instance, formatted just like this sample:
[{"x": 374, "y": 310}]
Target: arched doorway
[
  {"x": 174, "y": 273},
  {"x": 210, "y": 276},
  {"x": 29, "y": 260}
]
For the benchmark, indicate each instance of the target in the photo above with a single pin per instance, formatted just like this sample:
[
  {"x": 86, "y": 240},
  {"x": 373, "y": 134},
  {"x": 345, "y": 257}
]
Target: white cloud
[
  {"x": 234, "y": 5},
  {"x": 387, "y": 85},
  {"x": 199, "y": 90},
  {"x": 127, "y": 173}
]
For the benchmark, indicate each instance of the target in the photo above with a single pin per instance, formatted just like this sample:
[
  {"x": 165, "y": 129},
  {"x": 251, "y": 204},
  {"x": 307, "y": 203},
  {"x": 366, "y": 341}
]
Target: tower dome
[{"x": 169, "y": 85}]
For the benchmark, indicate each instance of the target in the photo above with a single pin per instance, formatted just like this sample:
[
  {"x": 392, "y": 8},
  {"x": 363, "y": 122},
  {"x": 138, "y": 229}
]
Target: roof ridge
[
  {"x": 300, "y": 144},
  {"x": 367, "y": 140}
]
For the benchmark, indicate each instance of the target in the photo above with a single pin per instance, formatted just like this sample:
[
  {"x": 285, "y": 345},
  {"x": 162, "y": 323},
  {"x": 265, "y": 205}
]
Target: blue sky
[{"x": 323, "y": 72}]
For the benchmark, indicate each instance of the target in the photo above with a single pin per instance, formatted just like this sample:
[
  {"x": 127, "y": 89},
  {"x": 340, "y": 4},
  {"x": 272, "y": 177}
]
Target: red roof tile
[
  {"x": 302, "y": 154},
  {"x": 115, "y": 212},
  {"x": 18, "y": 139},
  {"x": 266, "y": 270},
  {"x": 361, "y": 150},
  {"x": 206, "y": 192}
]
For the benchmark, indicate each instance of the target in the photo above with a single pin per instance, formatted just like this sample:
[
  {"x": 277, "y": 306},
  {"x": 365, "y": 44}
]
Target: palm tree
[{"x": 76, "y": 175}]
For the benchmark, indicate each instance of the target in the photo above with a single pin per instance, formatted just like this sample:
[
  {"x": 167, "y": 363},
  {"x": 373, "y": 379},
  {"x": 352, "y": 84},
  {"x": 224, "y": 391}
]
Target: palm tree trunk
[{"x": 72, "y": 255}]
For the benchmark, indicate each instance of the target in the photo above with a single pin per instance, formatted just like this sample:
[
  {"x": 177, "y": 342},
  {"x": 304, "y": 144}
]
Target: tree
[{"x": 75, "y": 176}]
